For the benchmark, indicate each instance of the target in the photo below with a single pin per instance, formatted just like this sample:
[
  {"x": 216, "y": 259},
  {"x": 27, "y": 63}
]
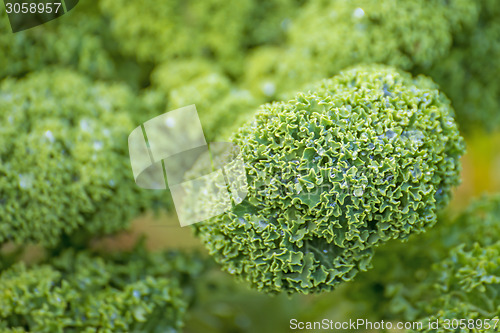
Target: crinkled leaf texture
[
  {"x": 466, "y": 282},
  {"x": 367, "y": 156},
  {"x": 136, "y": 291},
  {"x": 451, "y": 271},
  {"x": 65, "y": 164}
]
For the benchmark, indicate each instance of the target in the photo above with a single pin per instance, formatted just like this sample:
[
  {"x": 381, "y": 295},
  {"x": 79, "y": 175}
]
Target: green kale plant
[
  {"x": 218, "y": 102},
  {"x": 81, "y": 46},
  {"x": 217, "y": 30},
  {"x": 454, "y": 42},
  {"x": 405, "y": 34},
  {"x": 135, "y": 291},
  {"x": 450, "y": 272},
  {"x": 80, "y": 40},
  {"x": 368, "y": 156},
  {"x": 66, "y": 165},
  {"x": 469, "y": 74}
]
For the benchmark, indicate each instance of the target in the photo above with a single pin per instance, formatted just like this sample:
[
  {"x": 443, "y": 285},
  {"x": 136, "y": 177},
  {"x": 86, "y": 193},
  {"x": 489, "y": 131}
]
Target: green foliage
[
  {"x": 218, "y": 103},
  {"x": 224, "y": 305},
  {"x": 405, "y": 34},
  {"x": 217, "y": 30},
  {"x": 66, "y": 164},
  {"x": 467, "y": 285},
  {"x": 450, "y": 272},
  {"x": 466, "y": 282},
  {"x": 172, "y": 74},
  {"x": 364, "y": 159},
  {"x": 454, "y": 42},
  {"x": 221, "y": 105},
  {"x": 80, "y": 292},
  {"x": 399, "y": 33},
  {"x": 469, "y": 74},
  {"x": 79, "y": 40},
  {"x": 368, "y": 156}
]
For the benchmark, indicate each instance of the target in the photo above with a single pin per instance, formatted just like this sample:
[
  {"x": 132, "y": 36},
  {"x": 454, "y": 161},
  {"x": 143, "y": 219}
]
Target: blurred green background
[{"x": 228, "y": 57}]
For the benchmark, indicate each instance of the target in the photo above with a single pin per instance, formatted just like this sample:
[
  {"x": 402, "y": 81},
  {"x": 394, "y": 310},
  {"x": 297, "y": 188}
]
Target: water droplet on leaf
[{"x": 358, "y": 192}]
